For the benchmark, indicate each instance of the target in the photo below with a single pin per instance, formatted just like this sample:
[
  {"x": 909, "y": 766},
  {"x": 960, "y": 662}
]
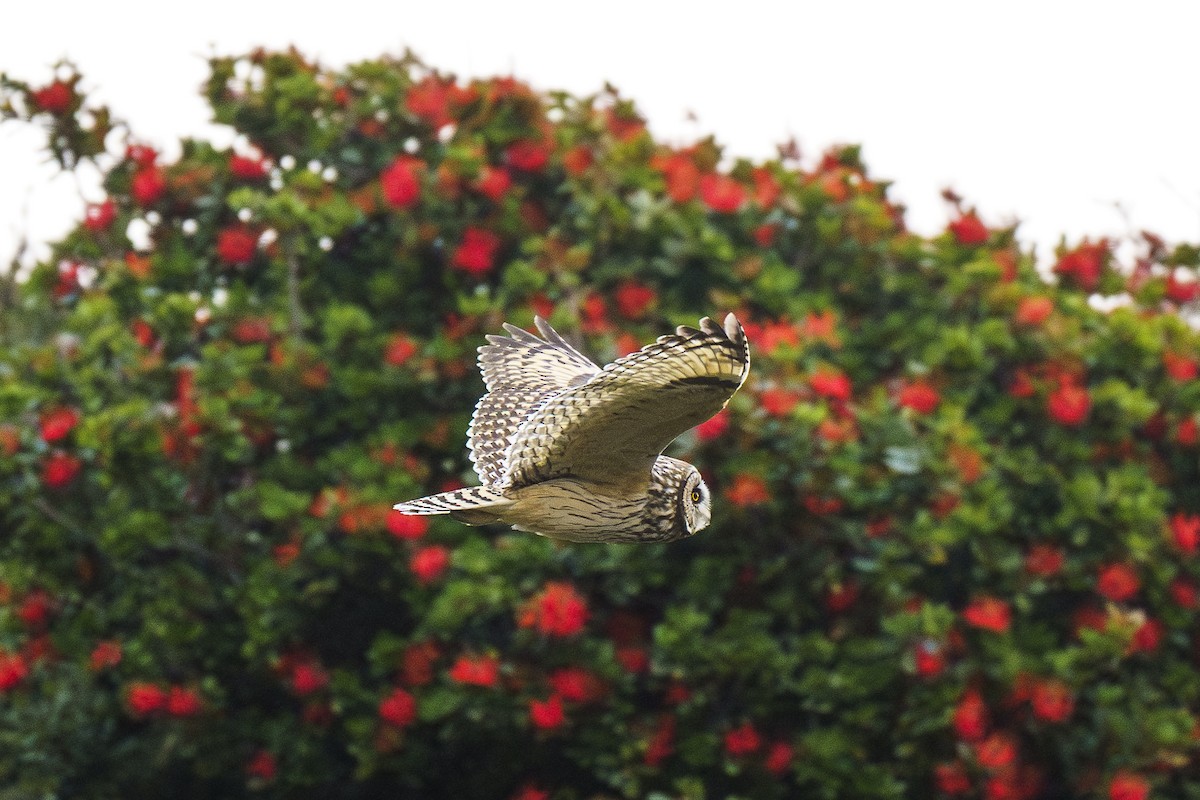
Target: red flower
[
  {"x": 142, "y": 155},
  {"x": 989, "y": 613},
  {"x": 1188, "y": 432},
  {"x": 57, "y": 423},
  {"x": 1127, "y": 785},
  {"x": 430, "y": 100},
  {"x": 997, "y": 751},
  {"x": 477, "y": 251},
  {"x": 476, "y": 670},
  {"x": 831, "y": 383},
  {"x": 662, "y": 742},
  {"x": 1147, "y": 637},
  {"x": 633, "y": 299},
  {"x": 1184, "y": 592},
  {"x": 527, "y": 154},
  {"x": 1182, "y": 291},
  {"x": 1180, "y": 368},
  {"x": 1117, "y": 582},
  {"x": 247, "y": 168},
  {"x": 401, "y": 181},
  {"x": 405, "y": 526},
  {"x": 1069, "y": 404},
  {"x": 929, "y": 659},
  {"x": 558, "y": 610},
  {"x": 951, "y": 778},
  {"x": 428, "y": 563},
  {"x": 970, "y": 717},
  {"x": 633, "y": 659},
  {"x": 841, "y": 596},
  {"x": 714, "y": 427},
  {"x": 721, "y": 193},
  {"x": 308, "y": 677},
  {"x": 1083, "y": 264},
  {"x": 779, "y": 758},
  {"x": 13, "y": 670},
  {"x": 920, "y": 397},
  {"x": 35, "y": 609},
  {"x": 681, "y": 174},
  {"x": 1052, "y": 700},
  {"x": 778, "y": 402},
  {"x": 1034, "y": 310},
  {"x": 399, "y": 708},
  {"x": 98, "y": 216},
  {"x": 969, "y": 230},
  {"x": 531, "y": 792},
  {"x": 1185, "y": 530},
  {"x": 764, "y": 235},
  {"x": 416, "y": 665},
  {"x": 182, "y": 702},
  {"x": 547, "y": 714},
  {"x": 55, "y": 98},
  {"x": 60, "y": 469},
  {"x": 493, "y": 182},
  {"x": 105, "y": 654},
  {"x": 1022, "y": 384},
  {"x": 575, "y": 684},
  {"x": 766, "y": 188},
  {"x": 577, "y": 160},
  {"x": 262, "y": 765},
  {"x": 145, "y": 698},
  {"x": 742, "y": 740},
  {"x": 1044, "y": 560},
  {"x": 747, "y": 490},
  {"x": 236, "y": 244},
  {"x": 250, "y": 330},
  {"x": 147, "y": 185}
]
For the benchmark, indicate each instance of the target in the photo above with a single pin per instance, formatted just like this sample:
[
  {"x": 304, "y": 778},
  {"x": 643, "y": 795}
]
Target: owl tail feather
[{"x": 474, "y": 505}]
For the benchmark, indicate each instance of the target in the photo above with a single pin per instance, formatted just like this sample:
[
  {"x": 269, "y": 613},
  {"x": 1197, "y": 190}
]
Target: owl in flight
[{"x": 569, "y": 450}]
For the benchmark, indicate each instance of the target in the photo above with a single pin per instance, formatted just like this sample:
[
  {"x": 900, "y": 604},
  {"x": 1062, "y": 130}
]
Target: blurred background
[{"x": 1074, "y": 118}]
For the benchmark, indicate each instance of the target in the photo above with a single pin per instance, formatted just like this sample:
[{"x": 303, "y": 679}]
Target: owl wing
[
  {"x": 622, "y": 418},
  {"x": 521, "y": 371}
]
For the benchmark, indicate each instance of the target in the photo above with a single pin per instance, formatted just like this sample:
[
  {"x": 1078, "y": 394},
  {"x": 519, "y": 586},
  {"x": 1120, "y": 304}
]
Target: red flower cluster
[
  {"x": 59, "y": 469},
  {"x": 1069, "y": 404},
  {"x": 1127, "y": 785},
  {"x": 148, "y": 185},
  {"x": 742, "y": 740},
  {"x": 529, "y": 155},
  {"x": 747, "y": 490},
  {"x": 1185, "y": 532},
  {"x": 576, "y": 684},
  {"x": 831, "y": 383},
  {"x": 144, "y": 699},
  {"x": 13, "y": 670},
  {"x": 989, "y": 613},
  {"x": 428, "y": 563},
  {"x": 57, "y": 423},
  {"x": 247, "y": 168},
  {"x": 476, "y": 670},
  {"x": 99, "y": 216},
  {"x": 237, "y": 244},
  {"x": 406, "y": 526},
  {"x": 1034, "y": 310},
  {"x": 55, "y": 98},
  {"x": 104, "y": 655},
  {"x": 714, "y": 427},
  {"x": 1084, "y": 264},
  {"x": 969, "y": 230},
  {"x": 1052, "y": 700},
  {"x": 493, "y": 183},
  {"x": 476, "y": 253},
  {"x": 399, "y": 708},
  {"x": 634, "y": 299},
  {"x": 1117, "y": 582},
  {"x": 721, "y": 193},
  {"x": 920, "y": 397},
  {"x": 308, "y": 677},
  {"x": 557, "y": 610},
  {"x": 970, "y": 717},
  {"x": 401, "y": 182},
  {"x": 547, "y": 714}
]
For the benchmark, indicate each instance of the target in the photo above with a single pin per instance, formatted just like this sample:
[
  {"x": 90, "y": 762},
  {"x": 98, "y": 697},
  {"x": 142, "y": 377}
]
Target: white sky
[{"x": 1074, "y": 117}]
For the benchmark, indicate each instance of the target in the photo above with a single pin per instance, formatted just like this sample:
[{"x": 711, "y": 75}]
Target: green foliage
[{"x": 956, "y": 517}]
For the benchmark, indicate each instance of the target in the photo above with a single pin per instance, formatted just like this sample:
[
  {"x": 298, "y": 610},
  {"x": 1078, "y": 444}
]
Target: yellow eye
[{"x": 695, "y": 495}]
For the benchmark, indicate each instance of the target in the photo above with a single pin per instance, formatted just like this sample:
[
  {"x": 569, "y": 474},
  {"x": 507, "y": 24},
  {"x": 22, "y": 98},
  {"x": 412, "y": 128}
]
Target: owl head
[{"x": 679, "y": 505}]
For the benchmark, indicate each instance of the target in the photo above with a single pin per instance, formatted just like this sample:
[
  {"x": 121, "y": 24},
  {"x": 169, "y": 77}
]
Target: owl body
[{"x": 569, "y": 450}]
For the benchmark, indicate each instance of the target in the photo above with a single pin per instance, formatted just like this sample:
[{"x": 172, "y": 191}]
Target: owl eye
[{"x": 695, "y": 495}]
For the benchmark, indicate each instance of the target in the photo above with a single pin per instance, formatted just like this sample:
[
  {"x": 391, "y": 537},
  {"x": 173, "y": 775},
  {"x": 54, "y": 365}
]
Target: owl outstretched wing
[
  {"x": 612, "y": 427},
  {"x": 521, "y": 371}
]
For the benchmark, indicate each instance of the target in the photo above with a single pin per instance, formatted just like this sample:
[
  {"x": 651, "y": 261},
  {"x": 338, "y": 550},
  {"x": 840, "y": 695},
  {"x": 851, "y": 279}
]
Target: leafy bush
[{"x": 957, "y": 508}]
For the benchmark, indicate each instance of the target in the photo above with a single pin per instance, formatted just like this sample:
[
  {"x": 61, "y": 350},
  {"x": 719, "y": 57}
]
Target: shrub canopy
[{"x": 957, "y": 508}]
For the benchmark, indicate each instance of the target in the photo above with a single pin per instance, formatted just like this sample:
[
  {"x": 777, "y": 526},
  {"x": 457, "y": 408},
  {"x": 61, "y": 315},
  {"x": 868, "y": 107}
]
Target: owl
[{"x": 572, "y": 451}]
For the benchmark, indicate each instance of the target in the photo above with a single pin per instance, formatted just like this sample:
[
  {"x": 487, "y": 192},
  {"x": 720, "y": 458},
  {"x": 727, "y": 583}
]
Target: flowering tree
[{"x": 955, "y": 538}]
